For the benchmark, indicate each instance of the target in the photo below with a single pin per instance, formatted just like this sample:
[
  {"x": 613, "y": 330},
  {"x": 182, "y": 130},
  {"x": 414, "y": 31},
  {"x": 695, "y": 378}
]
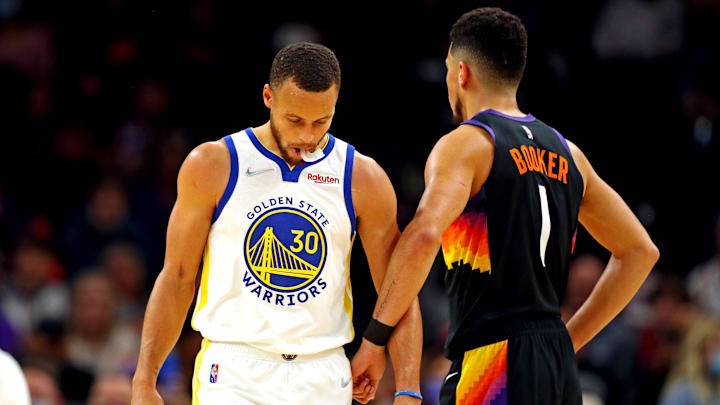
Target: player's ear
[
  {"x": 463, "y": 73},
  {"x": 268, "y": 95}
]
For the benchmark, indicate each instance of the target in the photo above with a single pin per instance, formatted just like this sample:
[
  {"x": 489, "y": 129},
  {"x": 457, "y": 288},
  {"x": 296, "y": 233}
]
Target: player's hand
[
  {"x": 362, "y": 390},
  {"x": 367, "y": 367},
  {"x": 145, "y": 396}
]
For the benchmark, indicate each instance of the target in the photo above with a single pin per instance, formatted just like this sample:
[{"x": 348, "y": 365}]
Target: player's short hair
[
  {"x": 494, "y": 38},
  {"x": 313, "y": 67}
]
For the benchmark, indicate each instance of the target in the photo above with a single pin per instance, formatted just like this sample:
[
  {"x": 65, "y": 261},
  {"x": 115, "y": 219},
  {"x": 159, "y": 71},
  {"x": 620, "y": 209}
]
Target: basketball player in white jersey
[
  {"x": 13, "y": 386},
  {"x": 271, "y": 213}
]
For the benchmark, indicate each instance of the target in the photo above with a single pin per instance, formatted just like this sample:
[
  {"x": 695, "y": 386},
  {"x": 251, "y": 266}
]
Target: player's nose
[{"x": 306, "y": 136}]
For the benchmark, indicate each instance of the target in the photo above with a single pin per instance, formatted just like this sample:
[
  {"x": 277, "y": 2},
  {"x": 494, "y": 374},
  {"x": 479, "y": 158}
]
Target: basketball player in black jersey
[{"x": 504, "y": 194}]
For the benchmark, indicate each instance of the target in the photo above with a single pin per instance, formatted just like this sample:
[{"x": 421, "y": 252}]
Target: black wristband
[{"x": 378, "y": 333}]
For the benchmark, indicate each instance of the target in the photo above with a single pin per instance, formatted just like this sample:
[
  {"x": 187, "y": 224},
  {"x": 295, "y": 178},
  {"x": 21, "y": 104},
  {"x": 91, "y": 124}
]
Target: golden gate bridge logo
[
  {"x": 285, "y": 249},
  {"x": 269, "y": 256}
]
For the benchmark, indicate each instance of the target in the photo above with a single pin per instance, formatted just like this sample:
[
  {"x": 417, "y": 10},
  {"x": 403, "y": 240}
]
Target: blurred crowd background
[{"x": 101, "y": 100}]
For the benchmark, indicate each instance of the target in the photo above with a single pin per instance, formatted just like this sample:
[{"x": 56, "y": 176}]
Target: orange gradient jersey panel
[{"x": 466, "y": 242}]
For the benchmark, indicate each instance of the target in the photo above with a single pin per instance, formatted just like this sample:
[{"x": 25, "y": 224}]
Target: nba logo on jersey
[
  {"x": 213, "y": 373},
  {"x": 527, "y": 131}
]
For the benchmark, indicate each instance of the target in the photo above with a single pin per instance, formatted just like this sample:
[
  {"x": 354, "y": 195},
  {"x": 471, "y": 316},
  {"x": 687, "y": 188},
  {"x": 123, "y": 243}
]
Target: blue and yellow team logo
[{"x": 285, "y": 249}]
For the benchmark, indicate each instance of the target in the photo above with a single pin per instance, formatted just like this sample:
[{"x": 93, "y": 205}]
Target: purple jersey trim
[
  {"x": 527, "y": 118},
  {"x": 480, "y": 124},
  {"x": 475, "y": 200},
  {"x": 562, "y": 139}
]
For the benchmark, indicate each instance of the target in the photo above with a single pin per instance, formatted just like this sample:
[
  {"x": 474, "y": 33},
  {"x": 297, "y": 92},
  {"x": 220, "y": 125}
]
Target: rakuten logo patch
[{"x": 320, "y": 179}]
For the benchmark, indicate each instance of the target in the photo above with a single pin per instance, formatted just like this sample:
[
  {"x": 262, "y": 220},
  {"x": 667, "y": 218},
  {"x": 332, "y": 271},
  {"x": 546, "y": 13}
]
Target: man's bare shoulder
[
  {"x": 207, "y": 168},
  {"x": 371, "y": 187},
  {"x": 467, "y": 149},
  {"x": 465, "y": 140},
  {"x": 209, "y": 154},
  {"x": 366, "y": 171},
  {"x": 577, "y": 154}
]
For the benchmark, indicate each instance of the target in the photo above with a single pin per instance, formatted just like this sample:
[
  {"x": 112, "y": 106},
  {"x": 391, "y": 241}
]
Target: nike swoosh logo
[
  {"x": 344, "y": 383},
  {"x": 256, "y": 172},
  {"x": 451, "y": 375}
]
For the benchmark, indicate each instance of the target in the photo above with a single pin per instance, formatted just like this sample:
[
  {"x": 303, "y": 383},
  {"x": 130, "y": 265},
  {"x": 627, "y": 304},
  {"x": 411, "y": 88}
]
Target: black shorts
[{"x": 534, "y": 366}]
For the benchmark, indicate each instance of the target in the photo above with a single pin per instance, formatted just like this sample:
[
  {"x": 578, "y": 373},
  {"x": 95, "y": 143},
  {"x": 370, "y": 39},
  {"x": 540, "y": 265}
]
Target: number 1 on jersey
[{"x": 545, "y": 228}]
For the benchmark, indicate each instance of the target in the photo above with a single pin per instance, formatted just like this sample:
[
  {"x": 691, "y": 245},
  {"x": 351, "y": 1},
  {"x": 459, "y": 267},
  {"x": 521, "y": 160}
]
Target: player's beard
[
  {"x": 281, "y": 148},
  {"x": 457, "y": 111}
]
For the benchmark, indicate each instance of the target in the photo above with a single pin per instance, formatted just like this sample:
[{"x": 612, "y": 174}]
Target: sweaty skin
[
  {"x": 378, "y": 229},
  {"x": 200, "y": 185},
  {"x": 456, "y": 169},
  {"x": 302, "y": 119}
]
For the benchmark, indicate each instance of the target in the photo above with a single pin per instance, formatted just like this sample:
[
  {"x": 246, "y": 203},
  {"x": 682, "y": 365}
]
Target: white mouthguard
[{"x": 312, "y": 156}]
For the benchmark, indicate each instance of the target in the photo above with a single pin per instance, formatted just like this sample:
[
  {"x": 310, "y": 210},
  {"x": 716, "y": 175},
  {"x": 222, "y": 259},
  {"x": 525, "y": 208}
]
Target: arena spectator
[
  {"x": 97, "y": 115},
  {"x": 43, "y": 387},
  {"x": 33, "y": 292},
  {"x": 111, "y": 390},
  {"x": 671, "y": 316},
  {"x": 105, "y": 220},
  {"x": 704, "y": 280},
  {"x": 125, "y": 268},
  {"x": 607, "y": 362},
  {"x": 696, "y": 370},
  {"x": 97, "y": 341}
]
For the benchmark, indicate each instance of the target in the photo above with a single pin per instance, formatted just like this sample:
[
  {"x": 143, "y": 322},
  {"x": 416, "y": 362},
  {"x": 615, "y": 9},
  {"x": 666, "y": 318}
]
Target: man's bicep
[
  {"x": 186, "y": 237},
  {"x": 192, "y": 214},
  {"x": 449, "y": 181},
  {"x": 377, "y": 215}
]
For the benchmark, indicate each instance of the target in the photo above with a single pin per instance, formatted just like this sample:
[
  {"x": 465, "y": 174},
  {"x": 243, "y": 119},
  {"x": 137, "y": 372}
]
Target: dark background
[{"x": 101, "y": 100}]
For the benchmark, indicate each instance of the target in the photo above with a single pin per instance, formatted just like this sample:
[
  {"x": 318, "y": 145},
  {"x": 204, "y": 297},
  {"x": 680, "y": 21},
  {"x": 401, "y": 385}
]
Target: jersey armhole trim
[
  {"x": 562, "y": 139},
  {"x": 475, "y": 200},
  {"x": 232, "y": 181},
  {"x": 572, "y": 159},
  {"x": 481, "y": 125},
  {"x": 347, "y": 188}
]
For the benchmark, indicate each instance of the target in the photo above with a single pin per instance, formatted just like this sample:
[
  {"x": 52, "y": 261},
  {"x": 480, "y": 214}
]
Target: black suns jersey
[{"x": 508, "y": 253}]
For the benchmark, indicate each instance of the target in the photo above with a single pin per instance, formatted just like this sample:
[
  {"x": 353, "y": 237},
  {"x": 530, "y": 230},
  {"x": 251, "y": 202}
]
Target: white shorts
[{"x": 238, "y": 374}]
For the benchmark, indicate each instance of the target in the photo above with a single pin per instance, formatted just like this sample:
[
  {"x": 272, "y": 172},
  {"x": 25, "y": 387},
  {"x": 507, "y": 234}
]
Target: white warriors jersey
[{"x": 275, "y": 271}]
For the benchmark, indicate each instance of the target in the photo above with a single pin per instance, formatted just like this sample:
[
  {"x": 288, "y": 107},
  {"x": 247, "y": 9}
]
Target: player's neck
[
  {"x": 504, "y": 103},
  {"x": 264, "y": 136},
  {"x": 483, "y": 96}
]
